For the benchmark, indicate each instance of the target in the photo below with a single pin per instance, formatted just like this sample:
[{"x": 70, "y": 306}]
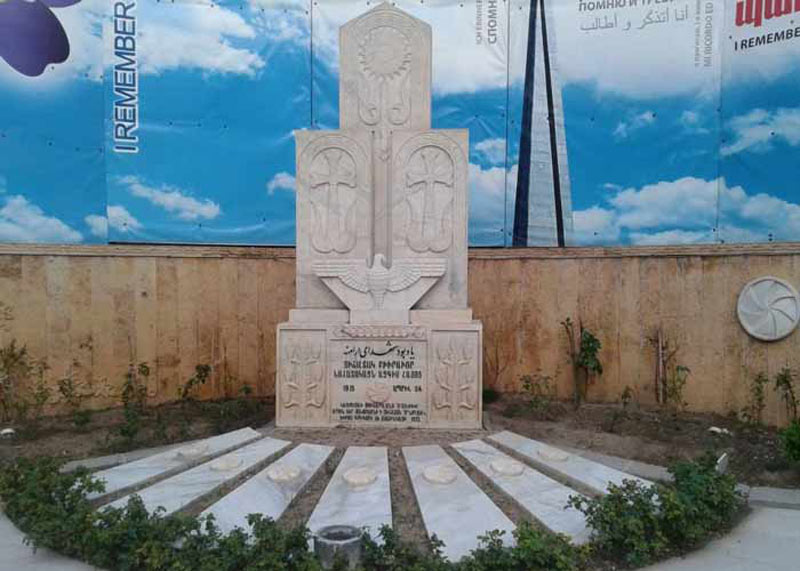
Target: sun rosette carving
[
  {"x": 384, "y": 53},
  {"x": 431, "y": 169},
  {"x": 331, "y": 178},
  {"x": 768, "y": 308}
]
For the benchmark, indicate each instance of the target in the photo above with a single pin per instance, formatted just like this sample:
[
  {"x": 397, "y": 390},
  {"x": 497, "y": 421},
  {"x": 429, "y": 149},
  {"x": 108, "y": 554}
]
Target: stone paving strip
[
  {"x": 453, "y": 507},
  {"x": 580, "y": 473},
  {"x": 179, "y": 491},
  {"x": 270, "y": 491},
  {"x": 172, "y": 461},
  {"x": 358, "y": 493},
  {"x": 543, "y": 498}
]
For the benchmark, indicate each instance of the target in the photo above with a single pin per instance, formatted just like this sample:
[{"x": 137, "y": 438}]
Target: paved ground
[
  {"x": 17, "y": 556},
  {"x": 768, "y": 540}
]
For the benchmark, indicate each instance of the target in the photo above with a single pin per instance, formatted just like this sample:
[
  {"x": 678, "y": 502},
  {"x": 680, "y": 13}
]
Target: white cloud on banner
[
  {"x": 173, "y": 200},
  {"x": 487, "y": 198},
  {"x": 460, "y": 64},
  {"x": 23, "y": 221},
  {"x": 118, "y": 218},
  {"x": 98, "y": 225},
  {"x": 757, "y": 130},
  {"x": 281, "y": 181},
  {"x": 685, "y": 211},
  {"x": 194, "y": 36},
  {"x": 493, "y": 150},
  {"x": 282, "y": 20},
  {"x": 625, "y": 56},
  {"x": 637, "y": 122}
]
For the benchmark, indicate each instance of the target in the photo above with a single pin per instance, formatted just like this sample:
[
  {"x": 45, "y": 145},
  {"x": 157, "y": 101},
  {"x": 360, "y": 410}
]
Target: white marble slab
[
  {"x": 173, "y": 460},
  {"x": 570, "y": 468},
  {"x": 270, "y": 491},
  {"x": 457, "y": 512},
  {"x": 543, "y": 498},
  {"x": 343, "y": 503},
  {"x": 178, "y": 491}
]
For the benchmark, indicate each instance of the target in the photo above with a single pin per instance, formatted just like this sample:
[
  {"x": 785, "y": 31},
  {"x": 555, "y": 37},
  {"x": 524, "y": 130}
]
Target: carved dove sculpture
[{"x": 379, "y": 279}]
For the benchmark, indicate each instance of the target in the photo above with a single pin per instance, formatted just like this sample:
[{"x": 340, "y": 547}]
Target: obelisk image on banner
[{"x": 543, "y": 204}]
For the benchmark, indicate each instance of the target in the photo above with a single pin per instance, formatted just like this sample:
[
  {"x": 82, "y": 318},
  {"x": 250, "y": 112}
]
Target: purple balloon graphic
[{"x": 31, "y": 37}]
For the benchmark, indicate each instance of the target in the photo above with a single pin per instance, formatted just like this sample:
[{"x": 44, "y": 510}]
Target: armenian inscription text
[{"x": 380, "y": 382}]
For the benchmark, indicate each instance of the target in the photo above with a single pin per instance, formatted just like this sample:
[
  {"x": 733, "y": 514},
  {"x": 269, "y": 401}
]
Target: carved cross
[
  {"x": 336, "y": 175},
  {"x": 434, "y": 171}
]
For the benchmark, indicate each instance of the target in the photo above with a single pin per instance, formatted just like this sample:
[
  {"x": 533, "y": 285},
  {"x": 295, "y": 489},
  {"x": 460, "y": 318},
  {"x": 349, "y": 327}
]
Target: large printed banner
[{"x": 671, "y": 121}]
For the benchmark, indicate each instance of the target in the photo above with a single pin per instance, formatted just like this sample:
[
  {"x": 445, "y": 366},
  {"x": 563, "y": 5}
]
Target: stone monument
[{"x": 382, "y": 334}]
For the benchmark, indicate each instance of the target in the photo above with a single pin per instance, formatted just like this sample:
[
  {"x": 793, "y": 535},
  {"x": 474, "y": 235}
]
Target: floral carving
[
  {"x": 455, "y": 391},
  {"x": 302, "y": 376}
]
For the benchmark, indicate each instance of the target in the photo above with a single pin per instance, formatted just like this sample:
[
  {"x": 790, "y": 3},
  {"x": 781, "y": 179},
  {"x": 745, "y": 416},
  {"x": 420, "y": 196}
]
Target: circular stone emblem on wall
[{"x": 768, "y": 308}]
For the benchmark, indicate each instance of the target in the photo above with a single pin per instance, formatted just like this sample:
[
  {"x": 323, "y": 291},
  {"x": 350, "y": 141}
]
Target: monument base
[{"x": 426, "y": 374}]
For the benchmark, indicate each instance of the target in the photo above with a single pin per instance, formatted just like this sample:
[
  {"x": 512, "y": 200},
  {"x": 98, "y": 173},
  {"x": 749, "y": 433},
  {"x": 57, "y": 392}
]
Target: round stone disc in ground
[
  {"x": 440, "y": 474},
  {"x": 553, "y": 454},
  {"x": 507, "y": 467},
  {"x": 360, "y": 477},
  {"x": 226, "y": 464},
  {"x": 192, "y": 451},
  {"x": 283, "y": 474}
]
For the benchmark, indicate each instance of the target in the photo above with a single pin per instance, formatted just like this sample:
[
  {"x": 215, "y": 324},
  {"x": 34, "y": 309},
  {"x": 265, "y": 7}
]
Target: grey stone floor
[
  {"x": 15, "y": 555},
  {"x": 768, "y": 540}
]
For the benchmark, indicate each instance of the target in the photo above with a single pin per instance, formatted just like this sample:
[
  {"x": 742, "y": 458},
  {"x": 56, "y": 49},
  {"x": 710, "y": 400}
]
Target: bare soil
[
  {"x": 60, "y": 437},
  {"x": 655, "y": 436}
]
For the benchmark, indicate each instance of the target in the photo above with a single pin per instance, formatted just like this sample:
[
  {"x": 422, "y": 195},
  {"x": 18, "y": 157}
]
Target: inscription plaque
[{"x": 378, "y": 382}]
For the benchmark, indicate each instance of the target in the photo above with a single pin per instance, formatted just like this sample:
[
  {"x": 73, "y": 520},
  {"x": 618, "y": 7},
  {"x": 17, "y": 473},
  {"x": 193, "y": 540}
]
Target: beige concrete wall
[{"x": 90, "y": 311}]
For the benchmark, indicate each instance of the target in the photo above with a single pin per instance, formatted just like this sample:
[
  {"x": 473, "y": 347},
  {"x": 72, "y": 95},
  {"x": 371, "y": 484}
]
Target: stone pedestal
[
  {"x": 383, "y": 335},
  {"x": 417, "y": 375}
]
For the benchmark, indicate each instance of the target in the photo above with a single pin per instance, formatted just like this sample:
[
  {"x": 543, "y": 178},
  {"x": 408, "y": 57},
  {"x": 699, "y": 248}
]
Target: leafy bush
[
  {"x": 676, "y": 383},
  {"x": 490, "y": 395},
  {"x": 16, "y": 396},
  {"x": 637, "y": 524},
  {"x": 633, "y": 523},
  {"x": 51, "y": 508},
  {"x": 80, "y": 417},
  {"x": 201, "y": 375},
  {"x": 790, "y": 439},
  {"x": 784, "y": 383},
  {"x": 535, "y": 550},
  {"x": 754, "y": 411},
  {"x": 584, "y": 355}
]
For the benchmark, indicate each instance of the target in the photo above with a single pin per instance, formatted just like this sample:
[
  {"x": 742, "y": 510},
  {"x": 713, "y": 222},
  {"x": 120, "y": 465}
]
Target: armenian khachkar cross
[{"x": 382, "y": 333}]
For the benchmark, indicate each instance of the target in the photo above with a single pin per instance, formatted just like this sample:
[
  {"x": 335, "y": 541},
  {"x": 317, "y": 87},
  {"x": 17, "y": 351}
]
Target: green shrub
[
  {"x": 51, "y": 508},
  {"x": 784, "y": 384},
  {"x": 633, "y": 523},
  {"x": 754, "y": 411},
  {"x": 538, "y": 550},
  {"x": 790, "y": 439},
  {"x": 390, "y": 554},
  {"x": 637, "y": 523},
  {"x": 490, "y": 395}
]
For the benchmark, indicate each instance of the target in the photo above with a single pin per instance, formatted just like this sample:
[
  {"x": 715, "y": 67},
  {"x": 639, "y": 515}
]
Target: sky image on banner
[{"x": 618, "y": 122}]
